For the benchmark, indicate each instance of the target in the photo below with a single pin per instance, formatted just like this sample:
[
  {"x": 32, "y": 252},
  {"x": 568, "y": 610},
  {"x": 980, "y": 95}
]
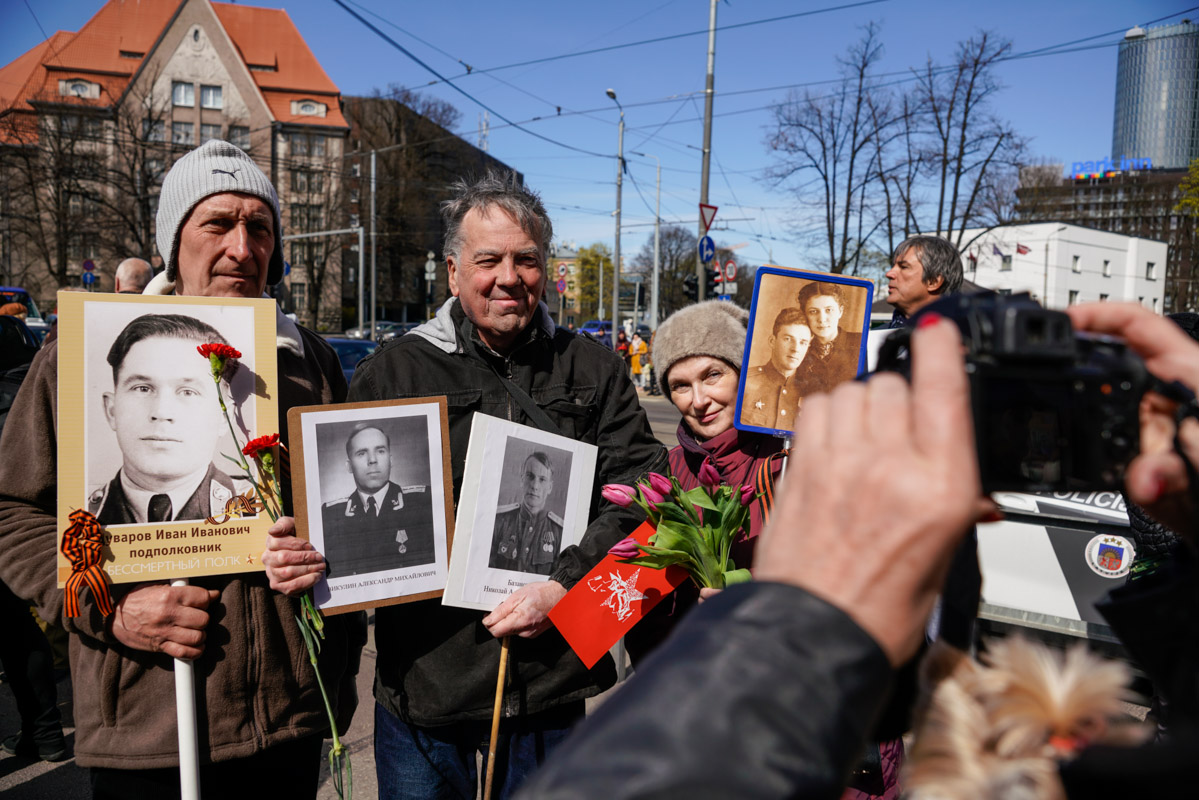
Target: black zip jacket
[{"x": 437, "y": 664}]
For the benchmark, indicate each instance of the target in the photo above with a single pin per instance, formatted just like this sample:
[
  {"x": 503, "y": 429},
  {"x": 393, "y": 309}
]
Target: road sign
[
  {"x": 730, "y": 270},
  {"x": 88, "y": 265},
  {"x": 430, "y": 269},
  {"x": 707, "y": 249},
  {"x": 729, "y": 288},
  {"x": 561, "y": 285},
  {"x": 706, "y": 215},
  {"x": 562, "y": 270},
  {"x": 725, "y": 297},
  {"x": 286, "y": 268},
  {"x": 89, "y": 278}
]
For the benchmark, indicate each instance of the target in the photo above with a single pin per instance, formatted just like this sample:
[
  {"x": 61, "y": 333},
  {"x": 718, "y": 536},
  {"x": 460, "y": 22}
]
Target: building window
[
  {"x": 1075, "y": 264},
  {"x": 240, "y": 136},
  {"x": 209, "y": 132},
  {"x": 356, "y": 170},
  {"x": 354, "y": 196},
  {"x": 1140, "y": 301},
  {"x": 82, "y": 246},
  {"x": 183, "y": 133},
  {"x": 1006, "y": 264},
  {"x": 1107, "y": 268},
  {"x": 1073, "y": 296},
  {"x": 210, "y": 97},
  {"x": 1150, "y": 271},
  {"x": 354, "y": 221},
  {"x": 1155, "y": 305},
  {"x": 307, "y": 217},
  {"x": 299, "y": 296},
  {"x": 308, "y": 109},
  {"x": 305, "y": 182},
  {"x": 1103, "y": 298},
  {"x": 153, "y": 130},
  {"x": 183, "y": 94},
  {"x": 302, "y": 144}
]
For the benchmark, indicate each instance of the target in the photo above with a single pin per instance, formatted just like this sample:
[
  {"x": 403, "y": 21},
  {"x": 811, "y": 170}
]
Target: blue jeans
[{"x": 440, "y": 762}]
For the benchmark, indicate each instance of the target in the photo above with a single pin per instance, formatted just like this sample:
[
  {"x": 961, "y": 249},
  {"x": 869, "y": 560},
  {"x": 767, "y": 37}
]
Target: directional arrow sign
[
  {"x": 706, "y": 215},
  {"x": 707, "y": 249}
]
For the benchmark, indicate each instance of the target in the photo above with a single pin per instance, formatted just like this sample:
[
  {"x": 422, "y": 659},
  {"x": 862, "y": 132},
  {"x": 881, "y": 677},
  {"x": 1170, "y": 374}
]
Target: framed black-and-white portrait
[
  {"x": 373, "y": 494},
  {"x": 525, "y": 497},
  {"x": 144, "y": 445},
  {"x": 807, "y": 334}
]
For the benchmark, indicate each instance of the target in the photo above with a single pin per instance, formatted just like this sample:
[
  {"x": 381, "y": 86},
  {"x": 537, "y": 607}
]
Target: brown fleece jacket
[{"x": 254, "y": 685}]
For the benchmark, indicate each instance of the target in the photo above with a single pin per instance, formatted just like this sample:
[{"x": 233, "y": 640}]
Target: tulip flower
[
  {"x": 625, "y": 548},
  {"x": 652, "y": 498},
  {"x": 619, "y": 493},
  {"x": 747, "y": 495},
  {"x": 660, "y": 483},
  {"x": 708, "y": 476}
]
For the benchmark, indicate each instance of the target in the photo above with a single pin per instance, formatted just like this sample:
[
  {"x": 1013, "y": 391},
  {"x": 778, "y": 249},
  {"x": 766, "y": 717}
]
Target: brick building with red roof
[{"x": 90, "y": 122}]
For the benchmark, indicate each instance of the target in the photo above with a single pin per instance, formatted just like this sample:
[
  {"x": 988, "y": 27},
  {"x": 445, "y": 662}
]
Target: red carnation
[
  {"x": 253, "y": 447},
  {"x": 218, "y": 350}
]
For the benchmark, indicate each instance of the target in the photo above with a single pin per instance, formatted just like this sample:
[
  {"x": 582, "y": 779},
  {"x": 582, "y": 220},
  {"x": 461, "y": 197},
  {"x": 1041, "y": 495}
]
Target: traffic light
[
  {"x": 691, "y": 287},
  {"x": 713, "y": 286},
  {"x": 639, "y": 301}
]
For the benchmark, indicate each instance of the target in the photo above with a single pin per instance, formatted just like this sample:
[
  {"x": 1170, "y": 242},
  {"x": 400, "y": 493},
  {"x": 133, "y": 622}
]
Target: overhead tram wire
[
  {"x": 659, "y": 39},
  {"x": 461, "y": 91}
]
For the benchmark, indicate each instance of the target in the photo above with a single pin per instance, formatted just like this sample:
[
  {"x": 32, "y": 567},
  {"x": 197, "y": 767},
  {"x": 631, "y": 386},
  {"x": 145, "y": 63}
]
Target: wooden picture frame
[{"x": 386, "y": 530}]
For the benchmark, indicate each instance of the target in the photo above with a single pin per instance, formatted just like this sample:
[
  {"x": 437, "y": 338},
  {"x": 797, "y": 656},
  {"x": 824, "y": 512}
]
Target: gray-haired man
[
  {"x": 922, "y": 269},
  {"x": 494, "y": 349},
  {"x": 260, "y": 712}
]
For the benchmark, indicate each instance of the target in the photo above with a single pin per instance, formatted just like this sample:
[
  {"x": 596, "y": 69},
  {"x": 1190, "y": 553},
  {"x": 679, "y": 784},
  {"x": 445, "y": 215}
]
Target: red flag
[
  {"x": 610, "y": 600},
  {"x": 1022, "y": 250}
]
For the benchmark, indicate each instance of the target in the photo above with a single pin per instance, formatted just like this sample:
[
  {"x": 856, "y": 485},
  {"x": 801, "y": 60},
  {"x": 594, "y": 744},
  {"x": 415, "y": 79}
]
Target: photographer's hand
[
  {"x": 1157, "y": 478},
  {"x": 886, "y": 486}
]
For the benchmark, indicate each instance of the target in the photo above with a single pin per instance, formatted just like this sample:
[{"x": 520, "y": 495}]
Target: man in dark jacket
[
  {"x": 493, "y": 349},
  {"x": 259, "y": 710},
  {"x": 923, "y": 268}
]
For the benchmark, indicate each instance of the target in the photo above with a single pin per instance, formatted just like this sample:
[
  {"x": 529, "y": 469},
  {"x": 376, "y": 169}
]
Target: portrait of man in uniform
[
  {"x": 381, "y": 525},
  {"x": 527, "y": 536},
  {"x": 771, "y": 398},
  {"x": 164, "y": 412}
]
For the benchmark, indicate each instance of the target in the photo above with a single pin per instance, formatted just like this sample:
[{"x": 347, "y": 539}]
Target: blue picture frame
[{"x": 760, "y": 330}]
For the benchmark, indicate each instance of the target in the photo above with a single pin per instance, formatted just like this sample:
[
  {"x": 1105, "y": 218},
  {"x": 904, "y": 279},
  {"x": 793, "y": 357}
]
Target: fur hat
[
  {"x": 212, "y": 168},
  {"x": 713, "y": 328}
]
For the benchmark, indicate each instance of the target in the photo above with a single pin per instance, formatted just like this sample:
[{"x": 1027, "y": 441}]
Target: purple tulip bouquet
[{"x": 693, "y": 529}]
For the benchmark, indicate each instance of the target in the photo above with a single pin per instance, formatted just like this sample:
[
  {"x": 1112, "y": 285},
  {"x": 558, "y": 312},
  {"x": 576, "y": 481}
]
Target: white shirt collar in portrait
[
  {"x": 139, "y": 499},
  {"x": 399, "y": 501}
]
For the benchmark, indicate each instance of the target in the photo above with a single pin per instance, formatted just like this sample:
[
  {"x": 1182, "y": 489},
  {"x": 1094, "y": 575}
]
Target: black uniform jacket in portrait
[
  {"x": 399, "y": 535},
  {"x": 111, "y": 507}
]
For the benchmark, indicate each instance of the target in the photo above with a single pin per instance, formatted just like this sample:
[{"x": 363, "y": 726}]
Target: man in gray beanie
[{"x": 260, "y": 711}]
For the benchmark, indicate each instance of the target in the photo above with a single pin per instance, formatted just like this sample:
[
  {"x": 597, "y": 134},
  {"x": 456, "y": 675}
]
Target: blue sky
[{"x": 1062, "y": 102}]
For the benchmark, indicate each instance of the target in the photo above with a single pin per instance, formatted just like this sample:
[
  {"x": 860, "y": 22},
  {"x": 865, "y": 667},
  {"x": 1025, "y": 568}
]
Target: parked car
[
  {"x": 18, "y": 345},
  {"x": 37, "y": 324},
  {"x": 350, "y": 352},
  {"x": 598, "y": 329},
  {"x": 382, "y": 327},
  {"x": 397, "y": 331}
]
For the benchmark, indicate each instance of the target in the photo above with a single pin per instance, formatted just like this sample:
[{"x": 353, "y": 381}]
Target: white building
[{"x": 1061, "y": 264}]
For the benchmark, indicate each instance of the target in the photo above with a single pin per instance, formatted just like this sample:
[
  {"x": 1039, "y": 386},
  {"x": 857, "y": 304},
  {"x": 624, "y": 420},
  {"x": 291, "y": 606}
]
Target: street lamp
[
  {"x": 616, "y": 255},
  {"x": 653, "y": 314}
]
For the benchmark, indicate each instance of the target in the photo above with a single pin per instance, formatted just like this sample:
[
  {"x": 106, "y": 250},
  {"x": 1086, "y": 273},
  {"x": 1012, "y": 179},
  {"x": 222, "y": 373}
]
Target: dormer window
[
  {"x": 77, "y": 87},
  {"x": 305, "y": 108},
  {"x": 308, "y": 108}
]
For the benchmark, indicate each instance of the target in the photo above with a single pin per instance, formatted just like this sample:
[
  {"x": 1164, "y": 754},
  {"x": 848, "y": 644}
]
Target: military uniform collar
[{"x": 139, "y": 498}]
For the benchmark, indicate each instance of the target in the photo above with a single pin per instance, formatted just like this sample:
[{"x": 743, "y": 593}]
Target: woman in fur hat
[{"x": 698, "y": 352}]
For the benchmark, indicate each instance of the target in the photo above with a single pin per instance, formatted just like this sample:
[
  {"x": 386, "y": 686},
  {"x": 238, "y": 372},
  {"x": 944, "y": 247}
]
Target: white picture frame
[{"x": 505, "y": 462}]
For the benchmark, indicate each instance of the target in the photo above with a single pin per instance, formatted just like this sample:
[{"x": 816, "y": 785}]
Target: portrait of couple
[
  {"x": 159, "y": 407},
  {"x": 806, "y": 337}
]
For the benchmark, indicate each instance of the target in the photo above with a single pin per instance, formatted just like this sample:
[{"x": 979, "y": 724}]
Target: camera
[{"x": 1054, "y": 410}]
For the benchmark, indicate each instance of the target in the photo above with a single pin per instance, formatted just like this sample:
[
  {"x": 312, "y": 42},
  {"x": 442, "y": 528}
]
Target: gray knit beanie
[
  {"x": 212, "y": 168},
  {"x": 713, "y": 328}
]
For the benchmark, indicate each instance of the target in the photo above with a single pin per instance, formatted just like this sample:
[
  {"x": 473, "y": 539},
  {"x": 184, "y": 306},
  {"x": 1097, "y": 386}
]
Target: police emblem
[{"x": 1110, "y": 556}]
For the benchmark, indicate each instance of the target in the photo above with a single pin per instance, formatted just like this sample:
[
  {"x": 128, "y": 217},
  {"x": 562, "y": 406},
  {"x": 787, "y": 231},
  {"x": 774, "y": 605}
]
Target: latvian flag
[{"x": 1022, "y": 250}]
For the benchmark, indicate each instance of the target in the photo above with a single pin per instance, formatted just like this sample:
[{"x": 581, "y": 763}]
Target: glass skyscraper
[{"x": 1157, "y": 96}]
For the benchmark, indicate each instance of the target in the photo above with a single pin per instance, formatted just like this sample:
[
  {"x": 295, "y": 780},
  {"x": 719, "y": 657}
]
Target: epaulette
[
  {"x": 95, "y": 500},
  {"x": 416, "y": 487},
  {"x": 507, "y": 508},
  {"x": 554, "y": 518},
  {"x": 332, "y": 503}
]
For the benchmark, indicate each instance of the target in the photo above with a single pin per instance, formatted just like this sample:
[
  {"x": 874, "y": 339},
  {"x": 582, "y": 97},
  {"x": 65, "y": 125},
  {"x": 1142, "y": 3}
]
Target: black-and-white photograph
[
  {"x": 524, "y": 499},
  {"x": 373, "y": 494},
  {"x": 806, "y": 335},
  {"x": 154, "y": 427},
  {"x": 377, "y": 510},
  {"x": 527, "y": 535}
]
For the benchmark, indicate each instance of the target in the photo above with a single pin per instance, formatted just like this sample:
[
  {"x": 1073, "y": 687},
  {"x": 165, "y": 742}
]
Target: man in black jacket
[{"x": 493, "y": 349}]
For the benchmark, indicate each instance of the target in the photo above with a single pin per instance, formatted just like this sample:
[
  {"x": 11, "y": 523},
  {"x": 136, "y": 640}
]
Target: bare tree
[
  {"x": 967, "y": 144},
  {"x": 676, "y": 261},
  {"x": 828, "y": 149}
]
